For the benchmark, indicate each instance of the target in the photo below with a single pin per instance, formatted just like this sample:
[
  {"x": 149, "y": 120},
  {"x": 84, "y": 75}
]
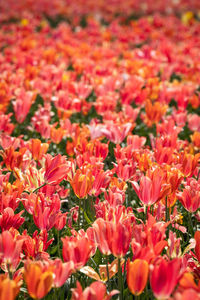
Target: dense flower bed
[{"x": 99, "y": 150}]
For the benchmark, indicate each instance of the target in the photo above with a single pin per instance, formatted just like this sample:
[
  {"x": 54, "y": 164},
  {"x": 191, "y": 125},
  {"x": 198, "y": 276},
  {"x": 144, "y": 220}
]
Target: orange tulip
[
  {"x": 9, "y": 289},
  {"x": 154, "y": 112},
  {"x": 13, "y": 159},
  {"x": 39, "y": 280},
  {"x": 37, "y": 148},
  {"x": 82, "y": 183},
  {"x": 196, "y": 139},
  {"x": 57, "y": 134},
  {"x": 188, "y": 163},
  {"x": 137, "y": 275}
]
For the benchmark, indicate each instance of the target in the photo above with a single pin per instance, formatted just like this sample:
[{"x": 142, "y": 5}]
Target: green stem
[
  {"x": 79, "y": 214},
  {"x": 190, "y": 224},
  {"x": 39, "y": 187},
  {"x": 9, "y": 272},
  {"x": 58, "y": 243},
  {"x": 107, "y": 270},
  {"x": 152, "y": 210},
  {"x": 146, "y": 213},
  {"x": 120, "y": 283},
  {"x": 166, "y": 210},
  {"x": 92, "y": 207},
  {"x": 84, "y": 211}
]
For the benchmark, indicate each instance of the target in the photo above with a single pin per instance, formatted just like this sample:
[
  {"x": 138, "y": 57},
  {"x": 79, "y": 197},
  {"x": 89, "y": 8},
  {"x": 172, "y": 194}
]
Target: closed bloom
[
  {"x": 9, "y": 289},
  {"x": 38, "y": 278},
  {"x": 137, "y": 275},
  {"x": 149, "y": 190},
  {"x": 62, "y": 272},
  {"x": 77, "y": 249},
  {"x": 197, "y": 246},
  {"x": 37, "y": 148},
  {"x": 113, "y": 237},
  {"x": 164, "y": 278},
  {"x": 82, "y": 183}
]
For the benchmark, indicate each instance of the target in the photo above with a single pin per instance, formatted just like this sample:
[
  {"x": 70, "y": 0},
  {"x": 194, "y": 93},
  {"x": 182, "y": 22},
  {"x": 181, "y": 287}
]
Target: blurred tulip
[
  {"x": 37, "y": 148},
  {"x": 82, "y": 183},
  {"x": 164, "y": 277},
  {"x": 38, "y": 278},
  {"x": 197, "y": 246},
  {"x": 9, "y": 289},
  {"x": 137, "y": 275},
  {"x": 97, "y": 291}
]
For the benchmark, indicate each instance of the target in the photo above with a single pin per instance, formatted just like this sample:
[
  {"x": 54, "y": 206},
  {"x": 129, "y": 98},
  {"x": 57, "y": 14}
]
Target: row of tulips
[{"x": 99, "y": 150}]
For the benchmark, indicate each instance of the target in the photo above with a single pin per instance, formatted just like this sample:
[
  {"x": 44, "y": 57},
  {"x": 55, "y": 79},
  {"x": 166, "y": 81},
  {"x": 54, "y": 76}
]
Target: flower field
[{"x": 100, "y": 149}]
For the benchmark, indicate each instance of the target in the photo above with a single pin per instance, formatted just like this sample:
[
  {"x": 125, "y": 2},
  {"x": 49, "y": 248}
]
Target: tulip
[
  {"x": 197, "y": 246},
  {"x": 10, "y": 250},
  {"x": 77, "y": 249},
  {"x": 164, "y": 278},
  {"x": 82, "y": 183},
  {"x": 56, "y": 169},
  {"x": 62, "y": 272},
  {"x": 97, "y": 291},
  {"x": 39, "y": 280},
  {"x": 137, "y": 275},
  {"x": 9, "y": 289},
  {"x": 37, "y": 148}
]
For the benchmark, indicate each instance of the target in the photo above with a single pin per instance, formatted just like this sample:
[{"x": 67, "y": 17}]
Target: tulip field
[{"x": 100, "y": 149}]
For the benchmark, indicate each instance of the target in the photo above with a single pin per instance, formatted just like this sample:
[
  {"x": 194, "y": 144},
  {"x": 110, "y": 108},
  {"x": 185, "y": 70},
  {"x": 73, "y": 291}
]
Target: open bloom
[
  {"x": 10, "y": 249},
  {"x": 56, "y": 169},
  {"x": 150, "y": 189},
  {"x": 190, "y": 196}
]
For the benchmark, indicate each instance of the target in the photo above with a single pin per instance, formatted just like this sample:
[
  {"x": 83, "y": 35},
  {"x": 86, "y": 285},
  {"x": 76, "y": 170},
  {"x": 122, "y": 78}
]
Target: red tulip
[
  {"x": 62, "y": 271},
  {"x": 113, "y": 237},
  {"x": 77, "y": 249},
  {"x": 10, "y": 249},
  {"x": 164, "y": 277},
  {"x": 197, "y": 247},
  {"x": 56, "y": 169},
  {"x": 97, "y": 291}
]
